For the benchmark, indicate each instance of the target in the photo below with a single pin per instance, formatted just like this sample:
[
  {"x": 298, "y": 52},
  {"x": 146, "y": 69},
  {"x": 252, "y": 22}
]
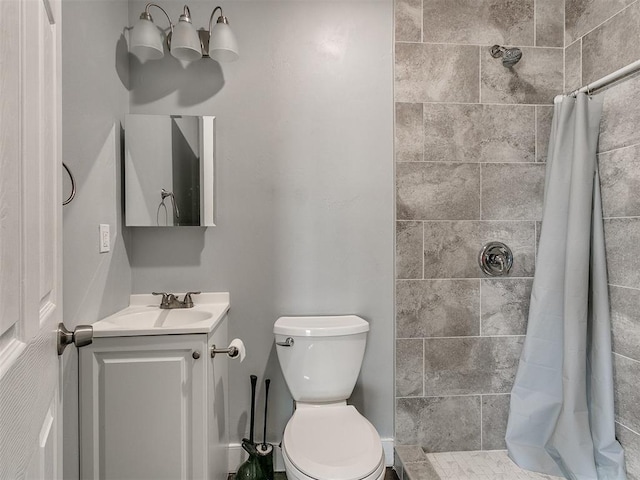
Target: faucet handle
[
  {"x": 165, "y": 297},
  {"x": 188, "y": 301}
]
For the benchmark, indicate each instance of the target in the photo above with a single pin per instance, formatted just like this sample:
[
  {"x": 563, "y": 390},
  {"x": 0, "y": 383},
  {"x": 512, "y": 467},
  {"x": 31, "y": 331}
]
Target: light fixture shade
[
  {"x": 223, "y": 46},
  {"x": 185, "y": 42},
  {"x": 146, "y": 41}
]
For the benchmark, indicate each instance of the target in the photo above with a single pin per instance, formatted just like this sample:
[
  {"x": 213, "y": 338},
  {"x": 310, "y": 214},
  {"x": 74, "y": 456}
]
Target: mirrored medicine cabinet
[{"x": 169, "y": 170}]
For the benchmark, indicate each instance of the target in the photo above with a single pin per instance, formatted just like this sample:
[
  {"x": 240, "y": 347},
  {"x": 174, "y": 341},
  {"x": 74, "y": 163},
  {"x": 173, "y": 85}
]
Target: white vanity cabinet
[{"x": 154, "y": 407}]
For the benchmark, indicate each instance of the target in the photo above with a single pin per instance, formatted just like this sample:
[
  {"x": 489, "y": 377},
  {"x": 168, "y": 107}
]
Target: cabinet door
[{"x": 142, "y": 405}]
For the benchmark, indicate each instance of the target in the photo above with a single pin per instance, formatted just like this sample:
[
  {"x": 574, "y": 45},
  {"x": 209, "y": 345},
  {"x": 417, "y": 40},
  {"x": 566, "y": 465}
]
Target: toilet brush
[
  {"x": 265, "y": 450},
  {"x": 254, "y": 380},
  {"x": 251, "y": 468},
  {"x": 267, "y": 382}
]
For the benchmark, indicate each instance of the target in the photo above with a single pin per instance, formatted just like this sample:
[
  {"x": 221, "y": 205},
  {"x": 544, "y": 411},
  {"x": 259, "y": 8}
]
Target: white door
[{"x": 30, "y": 239}]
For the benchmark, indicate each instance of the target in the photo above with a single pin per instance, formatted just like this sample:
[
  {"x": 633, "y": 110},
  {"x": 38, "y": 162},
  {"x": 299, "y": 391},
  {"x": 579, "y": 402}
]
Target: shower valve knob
[{"x": 495, "y": 259}]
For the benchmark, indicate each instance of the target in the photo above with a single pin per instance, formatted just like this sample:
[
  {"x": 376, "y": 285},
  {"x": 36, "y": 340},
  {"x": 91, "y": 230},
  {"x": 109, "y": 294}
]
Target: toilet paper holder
[{"x": 231, "y": 351}]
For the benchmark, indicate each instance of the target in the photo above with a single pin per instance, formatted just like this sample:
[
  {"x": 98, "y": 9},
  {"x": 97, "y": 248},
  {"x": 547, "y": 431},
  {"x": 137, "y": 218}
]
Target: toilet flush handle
[{"x": 287, "y": 343}]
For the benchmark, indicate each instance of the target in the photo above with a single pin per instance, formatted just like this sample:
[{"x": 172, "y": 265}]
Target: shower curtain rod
[{"x": 603, "y": 82}]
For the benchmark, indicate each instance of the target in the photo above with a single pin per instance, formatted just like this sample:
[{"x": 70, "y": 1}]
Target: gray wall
[
  {"x": 471, "y": 139},
  {"x": 590, "y": 56},
  {"x": 94, "y": 101},
  {"x": 304, "y": 184}
]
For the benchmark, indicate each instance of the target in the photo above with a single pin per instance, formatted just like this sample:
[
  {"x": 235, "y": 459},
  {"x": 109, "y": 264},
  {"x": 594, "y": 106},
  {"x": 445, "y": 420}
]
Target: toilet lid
[
  {"x": 332, "y": 442},
  {"x": 328, "y": 326}
]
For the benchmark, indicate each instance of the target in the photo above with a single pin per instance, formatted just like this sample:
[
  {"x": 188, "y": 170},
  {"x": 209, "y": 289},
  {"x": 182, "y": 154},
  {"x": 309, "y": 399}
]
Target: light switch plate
[{"x": 105, "y": 238}]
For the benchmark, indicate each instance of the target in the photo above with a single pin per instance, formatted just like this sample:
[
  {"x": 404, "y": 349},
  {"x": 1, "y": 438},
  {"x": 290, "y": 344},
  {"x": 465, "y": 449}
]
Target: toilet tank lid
[{"x": 322, "y": 326}]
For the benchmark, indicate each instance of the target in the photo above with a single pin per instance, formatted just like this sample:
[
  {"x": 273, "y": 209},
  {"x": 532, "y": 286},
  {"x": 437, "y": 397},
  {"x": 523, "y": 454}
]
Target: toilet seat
[
  {"x": 294, "y": 474},
  {"x": 333, "y": 442}
]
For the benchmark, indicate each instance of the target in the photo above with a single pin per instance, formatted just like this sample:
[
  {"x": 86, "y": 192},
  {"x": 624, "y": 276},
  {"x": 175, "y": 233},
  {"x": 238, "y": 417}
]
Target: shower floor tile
[{"x": 487, "y": 465}]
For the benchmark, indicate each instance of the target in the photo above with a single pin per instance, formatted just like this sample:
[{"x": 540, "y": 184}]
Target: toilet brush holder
[
  {"x": 265, "y": 457},
  {"x": 252, "y": 469}
]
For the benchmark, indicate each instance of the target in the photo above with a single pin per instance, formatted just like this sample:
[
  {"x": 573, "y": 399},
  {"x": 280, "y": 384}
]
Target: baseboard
[
  {"x": 237, "y": 455},
  {"x": 387, "y": 446}
]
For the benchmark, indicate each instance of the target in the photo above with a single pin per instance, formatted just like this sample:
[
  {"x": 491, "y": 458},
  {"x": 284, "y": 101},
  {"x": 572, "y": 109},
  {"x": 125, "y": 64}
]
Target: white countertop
[{"x": 144, "y": 316}]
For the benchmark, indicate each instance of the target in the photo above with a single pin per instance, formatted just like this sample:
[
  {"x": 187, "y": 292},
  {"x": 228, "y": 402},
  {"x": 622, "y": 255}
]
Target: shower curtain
[{"x": 561, "y": 420}]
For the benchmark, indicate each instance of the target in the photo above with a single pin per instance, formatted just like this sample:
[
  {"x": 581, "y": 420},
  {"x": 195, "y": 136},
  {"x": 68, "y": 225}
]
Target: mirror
[{"x": 169, "y": 170}]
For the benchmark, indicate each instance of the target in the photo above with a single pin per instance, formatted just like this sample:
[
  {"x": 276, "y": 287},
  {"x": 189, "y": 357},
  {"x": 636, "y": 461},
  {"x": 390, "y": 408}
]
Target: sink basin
[{"x": 145, "y": 318}]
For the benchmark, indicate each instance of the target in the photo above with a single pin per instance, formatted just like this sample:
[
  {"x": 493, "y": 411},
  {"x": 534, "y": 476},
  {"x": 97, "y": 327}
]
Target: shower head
[{"x": 510, "y": 56}]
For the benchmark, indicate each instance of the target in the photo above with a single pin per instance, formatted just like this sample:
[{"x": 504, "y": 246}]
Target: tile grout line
[
  {"x": 627, "y": 358},
  {"x": 535, "y": 236},
  {"x": 564, "y": 69},
  {"x": 607, "y": 152},
  {"x": 457, "y": 162},
  {"x": 423, "y": 369},
  {"x": 535, "y": 135},
  {"x": 480, "y": 76},
  {"x": 481, "y": 442},
  {"x": 627, "y": 428},
  {"x": 489, "y": 104},
  {"x": 424, "y": 139},
  {"x": 480, "y": 309},
  {"x": 615, "y": 218},
  {"x": 564, "y": 23},
  {"x": 422, "y": 250},
  {"x": 453, "y": 395},
  {"x": 463, "y": 337},
  {"x": 480, "y": 192},
  {"x": 422, "y": 21},
  {"x": 466, "y": 220},
  {"x": 481, "y": 45},
  {"x": 605, "y": 21},
  {"x": 581, "y": 67},
  {"x": 623, "y": 286},
  {"x": 535, "y": 22},
  {"x": 475, "y": 278},
  {"x": 619, "y": 421}
]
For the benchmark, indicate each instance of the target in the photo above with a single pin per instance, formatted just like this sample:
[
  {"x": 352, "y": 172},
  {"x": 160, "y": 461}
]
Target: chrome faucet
[{"x": 170, "y": 301}]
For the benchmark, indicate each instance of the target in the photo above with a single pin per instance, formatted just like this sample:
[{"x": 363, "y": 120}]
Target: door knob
[{"x": 81, "y": 336}]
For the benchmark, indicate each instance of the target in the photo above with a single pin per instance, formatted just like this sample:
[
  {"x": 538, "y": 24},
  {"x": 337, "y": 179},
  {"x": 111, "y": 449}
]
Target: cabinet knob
[{"x": 196, "y": 355}]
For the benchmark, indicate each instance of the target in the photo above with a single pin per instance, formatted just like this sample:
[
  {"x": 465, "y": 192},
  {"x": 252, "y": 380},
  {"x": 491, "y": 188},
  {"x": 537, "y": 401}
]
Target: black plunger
[
  {"x": 254, "y": 380},
  {"x": 266, "y": 399}
]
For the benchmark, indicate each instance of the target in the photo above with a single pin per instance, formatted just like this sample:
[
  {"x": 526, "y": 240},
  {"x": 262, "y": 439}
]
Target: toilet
[{"x": 326, "y": 439}]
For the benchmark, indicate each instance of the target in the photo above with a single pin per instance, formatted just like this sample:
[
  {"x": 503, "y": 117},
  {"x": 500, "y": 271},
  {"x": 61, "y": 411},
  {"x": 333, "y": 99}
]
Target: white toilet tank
[{"x": 324, "y": 358}]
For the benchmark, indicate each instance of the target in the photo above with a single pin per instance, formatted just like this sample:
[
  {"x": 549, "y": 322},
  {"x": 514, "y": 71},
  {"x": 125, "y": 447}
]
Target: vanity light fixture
[{"x": 184, "y": 41}]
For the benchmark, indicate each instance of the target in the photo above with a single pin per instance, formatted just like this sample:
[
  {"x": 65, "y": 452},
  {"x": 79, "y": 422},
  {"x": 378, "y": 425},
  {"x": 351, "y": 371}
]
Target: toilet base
[{"x": 294, "y": 474}]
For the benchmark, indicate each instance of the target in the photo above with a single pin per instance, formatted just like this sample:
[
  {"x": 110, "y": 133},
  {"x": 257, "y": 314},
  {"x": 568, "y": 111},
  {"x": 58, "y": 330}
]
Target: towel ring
[{"x": 73, "y": 185}]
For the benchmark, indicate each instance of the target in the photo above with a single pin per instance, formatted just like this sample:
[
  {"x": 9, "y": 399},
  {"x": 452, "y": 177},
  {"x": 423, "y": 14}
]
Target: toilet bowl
[
  {"x": 326, "y": 439},
  {"x": 331, "y": 442}
]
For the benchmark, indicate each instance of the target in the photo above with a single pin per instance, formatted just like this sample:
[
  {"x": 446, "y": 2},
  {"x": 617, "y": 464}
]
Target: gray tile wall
[
  {"x": 601, "y": 34},
  {"x": 471, "y": 141},
  {"x": 468, "y": 136}
]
